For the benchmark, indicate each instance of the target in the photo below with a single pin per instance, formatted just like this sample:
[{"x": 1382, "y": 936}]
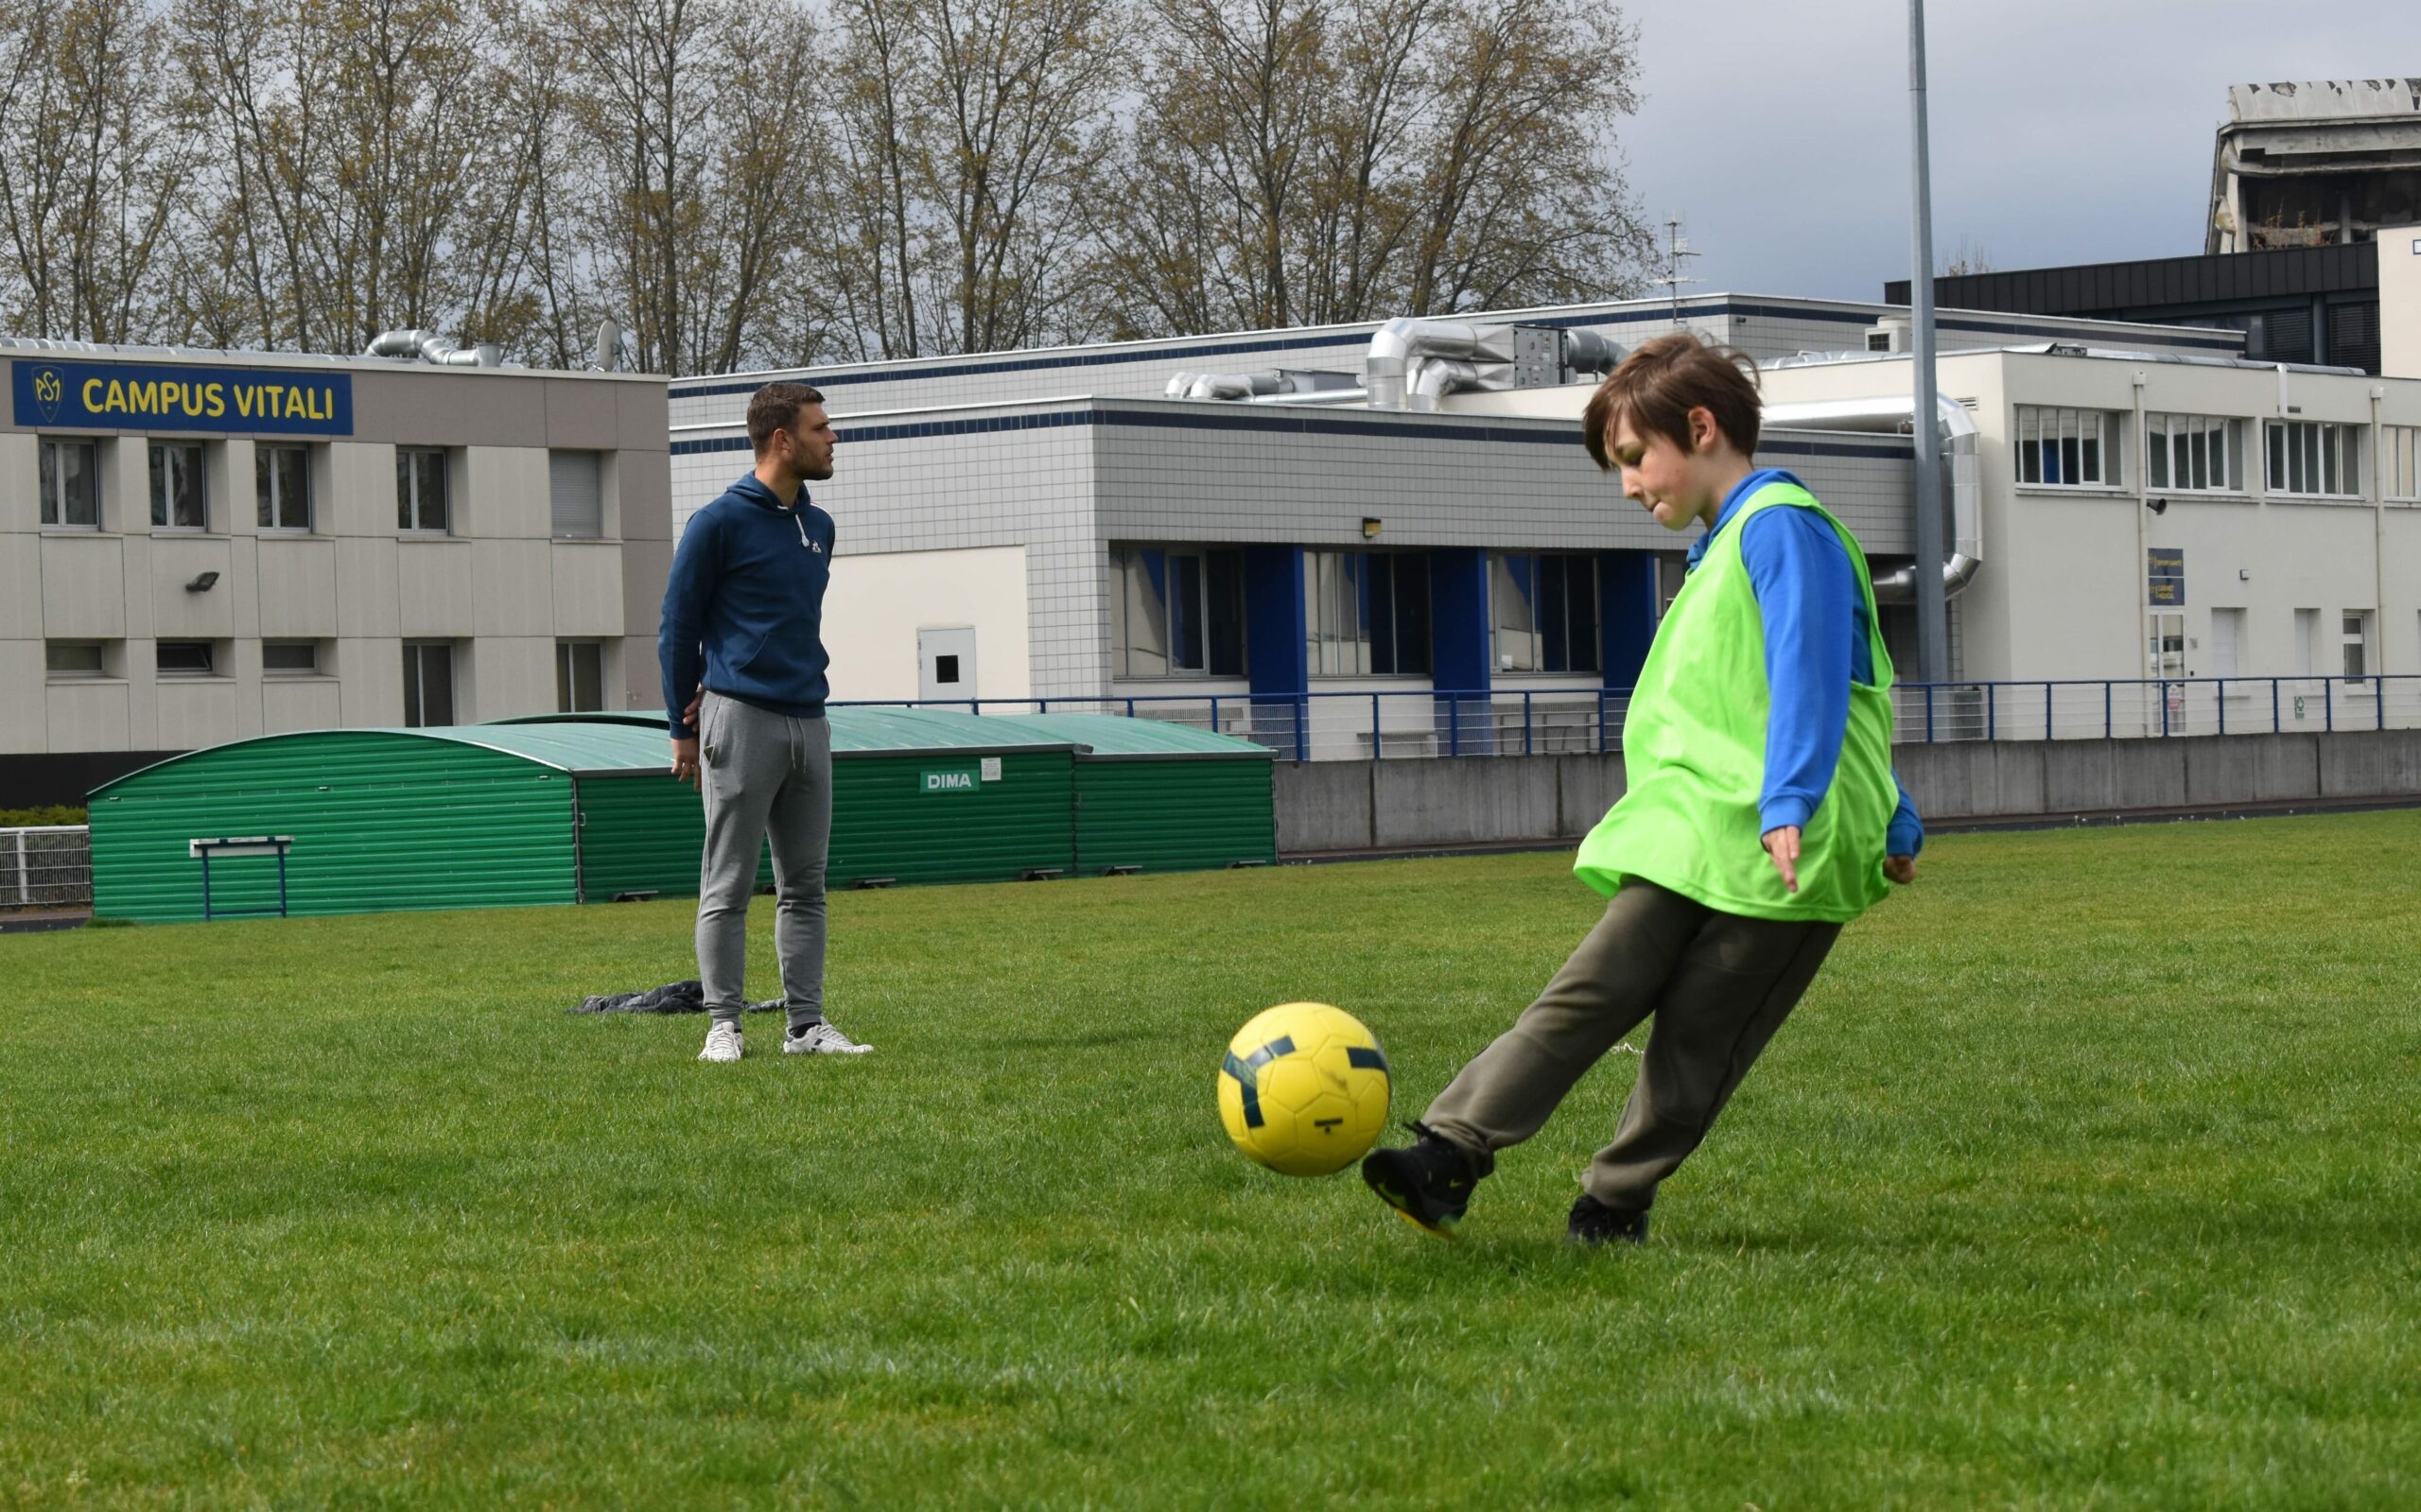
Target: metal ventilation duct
[
  {"x": 431, "y": 347},
  {"x": 1957, "y": 432},
  {"x": 1412, "y": 363}
]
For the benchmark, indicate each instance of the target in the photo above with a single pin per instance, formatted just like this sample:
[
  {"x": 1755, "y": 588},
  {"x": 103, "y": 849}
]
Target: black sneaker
[
  {"x": 1592, "y": 1223},
  {"x": 1428, "y": 1184}
]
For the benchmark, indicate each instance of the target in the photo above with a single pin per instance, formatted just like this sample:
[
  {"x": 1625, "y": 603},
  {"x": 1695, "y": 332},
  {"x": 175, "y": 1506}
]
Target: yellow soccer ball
[{"x": 1304, "y": 1088}]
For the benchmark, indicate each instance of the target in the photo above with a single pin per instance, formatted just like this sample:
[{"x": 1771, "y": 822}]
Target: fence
[
  {"x": 1417, "y": 722},
  {"x": 47, "y": 867}
]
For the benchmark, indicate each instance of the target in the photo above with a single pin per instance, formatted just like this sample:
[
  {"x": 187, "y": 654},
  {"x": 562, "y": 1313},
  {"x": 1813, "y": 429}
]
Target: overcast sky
[{"x": 2063, "y": 130}]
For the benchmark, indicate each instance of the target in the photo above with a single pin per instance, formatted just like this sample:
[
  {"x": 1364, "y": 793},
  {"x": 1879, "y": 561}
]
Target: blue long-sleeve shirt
[
  {"x": 1816, "y": 644},
  {"x": 743, "y": 608}
]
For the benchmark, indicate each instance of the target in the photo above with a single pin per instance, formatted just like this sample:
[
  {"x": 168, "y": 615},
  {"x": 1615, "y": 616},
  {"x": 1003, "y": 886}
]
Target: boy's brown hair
[
  {"x": 1661, "y": 382},
  {"x": 776, "y": 407}
]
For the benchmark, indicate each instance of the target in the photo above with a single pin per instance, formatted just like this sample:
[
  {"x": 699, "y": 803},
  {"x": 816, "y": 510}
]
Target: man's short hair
[
  {"x": 776, "y": 407},
  {"x": 1661, "y": 382}
]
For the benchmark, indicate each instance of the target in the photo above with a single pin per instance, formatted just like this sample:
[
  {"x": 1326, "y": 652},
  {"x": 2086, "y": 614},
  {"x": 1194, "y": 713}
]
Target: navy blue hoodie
[{"x": 744, "y": 613}]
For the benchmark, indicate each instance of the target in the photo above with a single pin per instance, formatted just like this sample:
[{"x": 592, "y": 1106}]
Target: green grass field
[{"x": 2085, "y": 1178}]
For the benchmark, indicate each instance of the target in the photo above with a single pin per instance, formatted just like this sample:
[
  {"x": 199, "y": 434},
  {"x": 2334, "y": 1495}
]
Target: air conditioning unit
[{"x": 1890, "y": 334}]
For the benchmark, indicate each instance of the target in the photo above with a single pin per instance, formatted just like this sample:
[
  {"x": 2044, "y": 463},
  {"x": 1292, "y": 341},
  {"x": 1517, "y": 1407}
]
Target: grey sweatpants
[
  {"x": 766, "y": 776},
  {"x": 1719, "y": 986}
]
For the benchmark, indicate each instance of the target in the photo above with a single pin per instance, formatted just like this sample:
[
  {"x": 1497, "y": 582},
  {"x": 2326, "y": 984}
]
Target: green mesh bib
[{"x": 1694, "y": 755}]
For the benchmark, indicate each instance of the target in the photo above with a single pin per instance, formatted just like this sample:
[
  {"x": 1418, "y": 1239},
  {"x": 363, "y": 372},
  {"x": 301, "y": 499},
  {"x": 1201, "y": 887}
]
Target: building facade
[
  {"x": 200, "y": 547},
  {"x": 1053, "y": 525}
]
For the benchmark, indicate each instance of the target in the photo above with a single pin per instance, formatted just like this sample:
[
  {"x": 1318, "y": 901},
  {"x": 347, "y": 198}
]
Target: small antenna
[
  {"x": 609, "y": 345},
  {"x": 1675, "y": 248}
]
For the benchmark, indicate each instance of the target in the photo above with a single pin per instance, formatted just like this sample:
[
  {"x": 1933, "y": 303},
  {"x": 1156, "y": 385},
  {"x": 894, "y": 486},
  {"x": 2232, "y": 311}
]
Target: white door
[
  {"x": 946, "y": 663},
  {"x": 2228, "y": 639}
]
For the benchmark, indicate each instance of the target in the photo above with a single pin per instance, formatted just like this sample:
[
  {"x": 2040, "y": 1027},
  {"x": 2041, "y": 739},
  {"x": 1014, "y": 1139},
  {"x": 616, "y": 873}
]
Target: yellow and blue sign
[
  {"x": 2165, "y": 577},
  {"x": 236, "y": 401}
]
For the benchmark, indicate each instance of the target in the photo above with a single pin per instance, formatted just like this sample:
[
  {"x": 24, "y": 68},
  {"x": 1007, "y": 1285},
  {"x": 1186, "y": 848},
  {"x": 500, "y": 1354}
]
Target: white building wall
[
  {"x": 2061, "y": 593},
  {"x": 2400, "y": 300},
  {"x": 496, "y": 585},
  {"x": 879, "y": 601}
]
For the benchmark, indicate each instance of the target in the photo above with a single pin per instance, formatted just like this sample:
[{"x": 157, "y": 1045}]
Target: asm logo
[{"x": 47, "y": 390}]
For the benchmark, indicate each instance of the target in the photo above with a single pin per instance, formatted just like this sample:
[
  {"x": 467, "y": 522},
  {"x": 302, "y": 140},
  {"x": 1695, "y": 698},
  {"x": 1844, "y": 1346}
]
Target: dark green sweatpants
[{"x": 1719, "y": 986}]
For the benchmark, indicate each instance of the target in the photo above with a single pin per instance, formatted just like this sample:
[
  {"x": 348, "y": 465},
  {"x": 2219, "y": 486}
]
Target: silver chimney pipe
[{"x": 1956, "y": 429}]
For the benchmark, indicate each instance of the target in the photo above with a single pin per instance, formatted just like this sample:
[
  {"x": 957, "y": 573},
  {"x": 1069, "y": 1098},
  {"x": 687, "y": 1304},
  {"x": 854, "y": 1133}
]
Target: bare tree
[
  {"x": 965, "y": 137},
  {"x": 695, "y": 151},
  {"x": 85, "y": 173},
  {"x": 1312, "y": 161}
]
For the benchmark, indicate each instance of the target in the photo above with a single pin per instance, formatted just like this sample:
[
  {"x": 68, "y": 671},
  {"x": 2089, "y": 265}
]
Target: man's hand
[
  {"x": 685, "y": 753},
  {"x": 1901, "y": 869},
  {"x": 1783, "y": 845}
]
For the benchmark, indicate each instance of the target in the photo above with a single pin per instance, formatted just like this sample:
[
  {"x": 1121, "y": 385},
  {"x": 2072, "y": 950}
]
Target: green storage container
[
  {"x": 350, "y": 822},
  {"x": 565, "y": 809},
  {"x": 1163, "y": 797},
  {"x": 918, "y": 795}
]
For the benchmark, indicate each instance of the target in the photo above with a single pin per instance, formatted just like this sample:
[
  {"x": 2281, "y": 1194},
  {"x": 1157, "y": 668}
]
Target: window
[
  {"x": 284, "y": 473},
  {"x": 2067, "y": 449},
  {"x": 70, "y": 483},
  {"x": 1544, "y": 609},
  {"x": 2167, "y": 652},
  {"x": 2193, "y": 454},
  {"x": 177, "y": 501},
  {"x": 74, "y": 658},
  {"x": 2307, "y": 641},
  {"x": 2316, "y": 456},
  {"x": 1365, "y": 613},
  {"x": 1176, "y": 611},
  {"x": 428, "y": 683},
  {"x": 186, "y": 658},
  {"x": 576, "y": 487},
  {"x": 420, "y": 488},
  {"x": 2401, "y": 445},
  {"x": 289, "y": 659},
  {"x": 2357, "y": 638},
  {"x": 580, "y": 676}
]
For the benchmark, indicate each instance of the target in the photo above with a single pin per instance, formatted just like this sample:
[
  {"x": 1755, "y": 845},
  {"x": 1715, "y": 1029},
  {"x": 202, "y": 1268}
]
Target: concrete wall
[{"x": 1331, "y": 806}]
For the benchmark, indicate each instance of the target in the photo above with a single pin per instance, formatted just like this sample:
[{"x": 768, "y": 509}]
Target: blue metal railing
[{"x": 1416, "y": 722}]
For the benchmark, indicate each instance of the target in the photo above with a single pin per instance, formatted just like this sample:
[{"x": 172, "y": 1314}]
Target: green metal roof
[
  {"x": 584, "y": 746},
  {"x": 565, "y": 747},
  {"x": 1116, "y": 735},
  {"x": 858, "y": 729},
  {"x": 870, "y": 727}
]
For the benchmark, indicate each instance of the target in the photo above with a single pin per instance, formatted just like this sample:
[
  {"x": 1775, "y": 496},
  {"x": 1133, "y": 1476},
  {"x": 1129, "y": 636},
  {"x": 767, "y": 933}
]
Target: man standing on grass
[
  {"x": 1760, "y": 814},
  {"x": 742, "y": 654}
]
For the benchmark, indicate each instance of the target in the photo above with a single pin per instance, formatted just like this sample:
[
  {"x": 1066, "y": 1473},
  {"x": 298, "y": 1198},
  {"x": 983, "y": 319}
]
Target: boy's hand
[
  {"x": 1901, "y": 869},
  {"x": 1783, "y": 845}
]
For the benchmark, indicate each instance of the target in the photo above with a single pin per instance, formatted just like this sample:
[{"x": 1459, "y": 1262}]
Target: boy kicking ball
[{"x": 1760, "y": 814}]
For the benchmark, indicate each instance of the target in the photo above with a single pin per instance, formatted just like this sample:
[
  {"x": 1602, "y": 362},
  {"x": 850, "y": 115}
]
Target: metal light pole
[{"x": 1933, "y": 605}]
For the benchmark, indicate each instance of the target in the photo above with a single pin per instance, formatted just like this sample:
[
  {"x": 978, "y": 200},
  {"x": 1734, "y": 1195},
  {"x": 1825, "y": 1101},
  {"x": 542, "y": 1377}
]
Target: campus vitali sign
[{"x": 141, "y": 397}]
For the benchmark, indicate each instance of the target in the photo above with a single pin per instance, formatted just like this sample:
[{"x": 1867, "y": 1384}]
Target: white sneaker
[
  {"x": 723, "y": 1042},
  {"x": 822, "y": 1039}
]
